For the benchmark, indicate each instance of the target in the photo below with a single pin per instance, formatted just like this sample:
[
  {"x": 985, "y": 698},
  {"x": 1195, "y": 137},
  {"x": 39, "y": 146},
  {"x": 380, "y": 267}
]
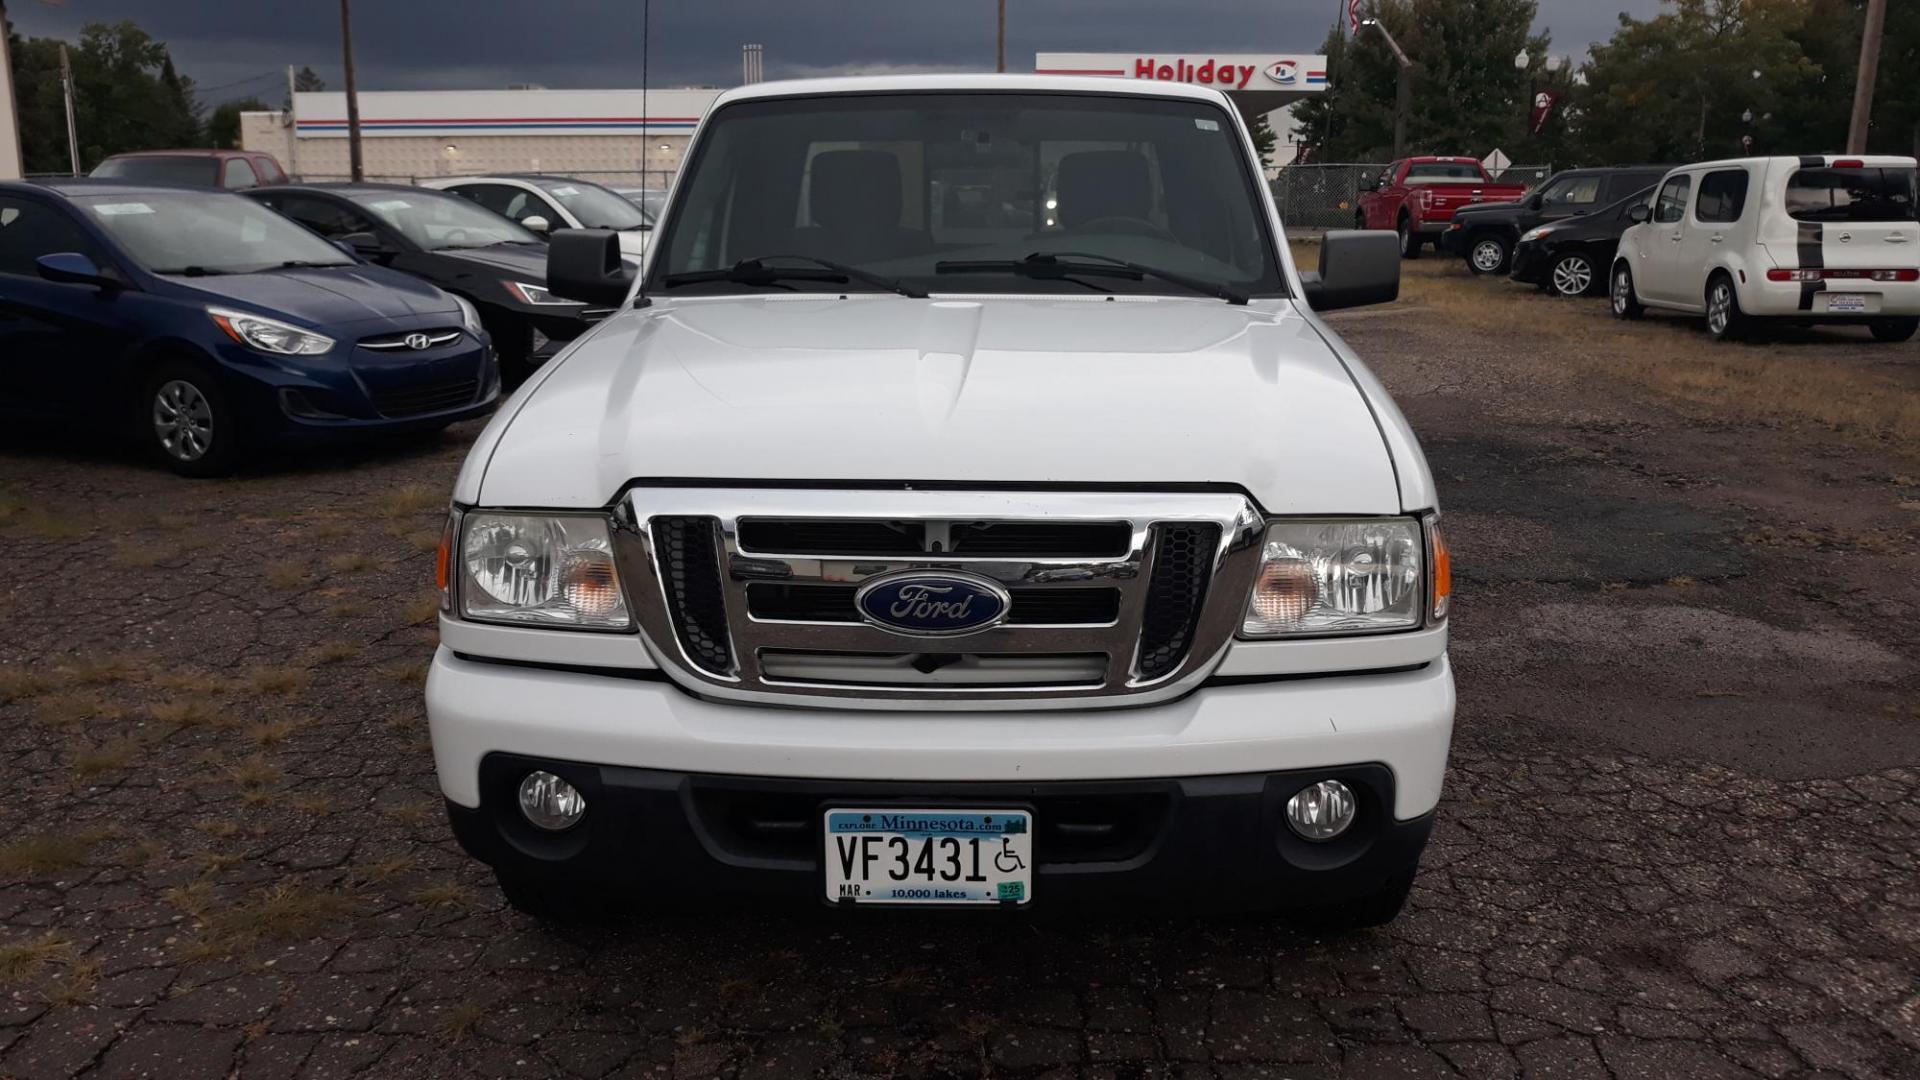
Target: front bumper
[
  {"x": 1215, "y": 842},
  {"x": 1530, "y": 262}
]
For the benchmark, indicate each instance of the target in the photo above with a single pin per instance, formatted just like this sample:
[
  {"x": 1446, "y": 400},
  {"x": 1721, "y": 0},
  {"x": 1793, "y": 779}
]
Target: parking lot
[{"x": 1681, "y": 834}]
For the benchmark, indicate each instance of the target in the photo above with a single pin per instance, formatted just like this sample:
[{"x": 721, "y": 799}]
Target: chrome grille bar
[{"x": 1229, "y": 517}]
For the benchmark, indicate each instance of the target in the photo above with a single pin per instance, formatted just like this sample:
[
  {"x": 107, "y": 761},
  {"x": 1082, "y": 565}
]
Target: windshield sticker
[
  {"x": 391, "y": 204},
  {"x": 566, "y": 192},
  {"x": 118, "y": 208},
  {"x": 1206, "y": 125}
]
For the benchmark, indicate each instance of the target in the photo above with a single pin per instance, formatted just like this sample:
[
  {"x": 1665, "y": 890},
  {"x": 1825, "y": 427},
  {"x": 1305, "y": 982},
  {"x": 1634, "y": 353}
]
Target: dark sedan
[
  {"x": 454, "y": 243},
  {"x": 1570, "y": 257},
  {"x": 214, "y": 325}
]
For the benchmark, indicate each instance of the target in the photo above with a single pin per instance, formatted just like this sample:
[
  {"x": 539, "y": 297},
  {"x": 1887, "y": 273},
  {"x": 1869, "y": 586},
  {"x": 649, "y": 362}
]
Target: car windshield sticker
[
  {"x": 118, "y": 208},
  {"x": 566, "y": 192},
  {"x": 386, "y": 205},
  {"x": 1206, "y": 125}
]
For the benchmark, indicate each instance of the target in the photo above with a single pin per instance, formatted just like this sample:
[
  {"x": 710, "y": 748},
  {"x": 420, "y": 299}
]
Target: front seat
[
  {"x": 1111, "y": 187},
  {"x": 853, "y": 199}
]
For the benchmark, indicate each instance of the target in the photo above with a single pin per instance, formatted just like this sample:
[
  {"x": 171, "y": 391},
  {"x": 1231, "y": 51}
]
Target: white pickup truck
[{"x": 965, "y": 507}]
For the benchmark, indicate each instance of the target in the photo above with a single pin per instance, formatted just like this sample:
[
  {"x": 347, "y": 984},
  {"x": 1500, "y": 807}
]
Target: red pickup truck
[{"x": 1417, "y": 196}]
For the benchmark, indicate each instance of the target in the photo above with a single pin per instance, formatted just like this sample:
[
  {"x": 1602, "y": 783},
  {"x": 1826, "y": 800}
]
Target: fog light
[
  {"x": 1321, "y": 811},
  {"x": 551, "y": 803}
]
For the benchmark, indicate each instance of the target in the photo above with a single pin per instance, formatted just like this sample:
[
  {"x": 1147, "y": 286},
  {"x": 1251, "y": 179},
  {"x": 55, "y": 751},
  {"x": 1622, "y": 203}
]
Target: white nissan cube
[
  {"x": 1817, "y": 239},
  {"x": 965, "y": 508}
]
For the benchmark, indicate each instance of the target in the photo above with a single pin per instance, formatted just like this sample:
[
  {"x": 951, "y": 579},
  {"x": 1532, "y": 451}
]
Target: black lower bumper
[
  {"x": 1210, "y": 842},
  {"x": 1530, "y": 264}
]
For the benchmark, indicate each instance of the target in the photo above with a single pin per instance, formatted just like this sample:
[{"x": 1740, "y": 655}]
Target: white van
[{"x": 1808, "y": 239}]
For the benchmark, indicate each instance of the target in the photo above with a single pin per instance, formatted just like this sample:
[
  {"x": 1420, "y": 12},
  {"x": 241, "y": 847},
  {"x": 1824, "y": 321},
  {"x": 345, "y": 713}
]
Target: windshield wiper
[
  {"x": 193, "y": 271},
  {"x": 303, "y": 264},
  {"x": 1055, "y": 264},
  {"x": 757, "y": 272}
]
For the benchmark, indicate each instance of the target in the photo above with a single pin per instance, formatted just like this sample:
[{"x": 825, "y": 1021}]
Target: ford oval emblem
[{"x": 933, "y": 603}]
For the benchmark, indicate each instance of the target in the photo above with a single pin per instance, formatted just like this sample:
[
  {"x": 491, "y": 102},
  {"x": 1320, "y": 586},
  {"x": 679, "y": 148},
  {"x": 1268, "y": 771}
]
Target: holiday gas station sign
[{"x": 1233, "y": 72}]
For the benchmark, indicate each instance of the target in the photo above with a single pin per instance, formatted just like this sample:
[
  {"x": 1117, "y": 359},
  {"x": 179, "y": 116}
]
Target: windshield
[
  {"x": 436, "y": 221},
  {"x": 595, "y": 206},
  {"x": 172, "y": 232},
  {"x": 1851, "y": 194},
  {"x": 650, "y": 201},
  {"x": 185, "y": 169},
  {"x": 896, "y": 184}
]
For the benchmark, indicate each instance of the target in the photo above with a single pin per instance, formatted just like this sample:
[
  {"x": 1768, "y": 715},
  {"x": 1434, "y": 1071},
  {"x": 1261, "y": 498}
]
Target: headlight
[
  {"x": 269, "y": 335},
  {"x": 538, "y": 295},
  {"x": 540, "y": 570},
  {"x": 1338, "y": 577},
  {"x": 469, "y": 315},
  {"x": 1535, "y": 233}
]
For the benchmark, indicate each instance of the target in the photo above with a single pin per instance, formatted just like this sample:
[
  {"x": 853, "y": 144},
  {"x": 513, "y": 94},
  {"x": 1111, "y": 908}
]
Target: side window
[
  {"x": 30, "y": 229},
  {"x": 495, "y": 197},
  {"x": 1723, "y": 195},
  {"x": 238, "y": 173},
  {"x": 270, "y": 171},
  {"x": 1672, "y": 203},
  {"x": 329, "y": 219},
  {"x": 1571, "y": 192}
]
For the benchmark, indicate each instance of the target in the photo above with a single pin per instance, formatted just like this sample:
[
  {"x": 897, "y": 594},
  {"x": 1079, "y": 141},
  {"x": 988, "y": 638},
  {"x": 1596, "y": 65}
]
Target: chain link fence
[
  {"x": 620, "y": 178},
  {"x": 1316, "y": 197}
]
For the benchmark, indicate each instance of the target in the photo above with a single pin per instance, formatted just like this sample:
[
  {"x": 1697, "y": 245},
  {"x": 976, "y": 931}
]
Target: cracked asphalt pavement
[{"x": 1680, "y": 836}]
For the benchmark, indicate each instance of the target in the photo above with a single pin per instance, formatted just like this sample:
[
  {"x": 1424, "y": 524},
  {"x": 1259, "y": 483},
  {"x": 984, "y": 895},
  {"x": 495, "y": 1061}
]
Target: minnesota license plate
[
  {"x": 1847, "y": 303},
  {"x": 896, "y": 856}
]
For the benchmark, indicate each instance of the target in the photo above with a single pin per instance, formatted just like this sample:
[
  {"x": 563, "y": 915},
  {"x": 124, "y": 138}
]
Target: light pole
[
  {"x": 11, "y": 161},
  {"x": 1870, "y": 36},
  {"x": 1521, "y": 63},
  {"x": 1403, "y": 88},
  {"x": 353, "y": 99}
]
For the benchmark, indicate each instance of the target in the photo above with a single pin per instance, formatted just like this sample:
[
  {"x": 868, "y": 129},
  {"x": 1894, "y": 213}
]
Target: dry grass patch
[
  {"x": 351, "y": 562},
  {"x": 16, "y": 683},
  {"x": 460, "y": 1021},
  {"x": 287, "y": 574},
  {"x": 347, "y": 609},
  {"x": 412, "y": 673},
  {"x": 218, "y": 828},
  {"x": 100, "y": 671},
  {"x": 46, "y": 852},
  {"x": 44, "y": 524},
  {"x": 144, "y": 555},
  {"x": 385, "y": 868},
  {"x": 1758, "y": 386},
  {"x": 92, "y": 760},
  {"x": 279, "y": 681},
  {"x": 410, "y": 499},
  {"x": 420, "y": 610},
  {"x": 21, "y": 959},
  {"x": 285, "y": 912},
  {"x": 186, "y": 712},
  {"x": 444, "y": 895},
  {"x": 272, "y": 732},
  {"x": 188, "y": 682},
  {"x": 75, "y": 983},
  {"x": 194, "y": 900},
  {"x": 334, "y": 652}
]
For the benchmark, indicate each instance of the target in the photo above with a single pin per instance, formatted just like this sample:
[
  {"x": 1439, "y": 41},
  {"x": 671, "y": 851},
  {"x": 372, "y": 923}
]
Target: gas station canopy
[{"x": 1257, "y": 82}]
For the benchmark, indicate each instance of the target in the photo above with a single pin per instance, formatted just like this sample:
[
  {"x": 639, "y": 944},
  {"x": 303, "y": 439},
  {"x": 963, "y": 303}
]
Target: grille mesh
[
  {"x": 690, "y": 576},
  {"x": 1182, "y": 563},
  {"x": 431, "y": 398}
]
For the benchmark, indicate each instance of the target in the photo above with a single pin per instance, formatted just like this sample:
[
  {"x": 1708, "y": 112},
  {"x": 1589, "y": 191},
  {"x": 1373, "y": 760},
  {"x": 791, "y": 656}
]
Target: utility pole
[
  {"x": 353, "y": 100},
  {"x": 73, "y": 135},
  {"x": 10, "y": 157},
  {"x": 293, "y": 127},
  {"x": 1870, "y": 36},
  {"x": 1000, "y": 41},
  {"x": 1403, "y": 88}
]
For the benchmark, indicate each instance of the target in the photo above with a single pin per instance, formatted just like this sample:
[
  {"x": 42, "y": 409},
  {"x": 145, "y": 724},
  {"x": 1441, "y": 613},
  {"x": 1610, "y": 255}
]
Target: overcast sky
[{"x": 235, "y": 47}]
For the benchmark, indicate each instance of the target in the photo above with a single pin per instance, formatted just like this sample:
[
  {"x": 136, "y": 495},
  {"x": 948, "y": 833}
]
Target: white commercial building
[{"x": 615, "y": 136}]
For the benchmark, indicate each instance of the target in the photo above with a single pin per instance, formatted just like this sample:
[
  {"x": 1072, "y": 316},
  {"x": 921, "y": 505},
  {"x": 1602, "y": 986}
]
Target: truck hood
[{"x": 1136, "y": 391}]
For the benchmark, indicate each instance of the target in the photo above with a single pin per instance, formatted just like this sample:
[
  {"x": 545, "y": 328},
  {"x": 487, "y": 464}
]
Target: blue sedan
[{"x": 215, "y": 326}]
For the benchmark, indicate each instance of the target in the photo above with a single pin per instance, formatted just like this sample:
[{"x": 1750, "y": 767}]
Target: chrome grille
[
  {"x": 433, "y": 338},
  {"x": 1118, "y": 598}
]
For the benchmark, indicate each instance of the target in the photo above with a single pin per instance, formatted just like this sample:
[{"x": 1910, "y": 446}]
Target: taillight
[
  {"x": 1849, "y": 163},
  {"x": 1426, "y": 198},
  {"x": 1908, "y": 274}
]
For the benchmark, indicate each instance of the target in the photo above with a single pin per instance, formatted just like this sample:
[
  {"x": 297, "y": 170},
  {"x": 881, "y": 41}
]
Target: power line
[{"x": 236, "y": 82}]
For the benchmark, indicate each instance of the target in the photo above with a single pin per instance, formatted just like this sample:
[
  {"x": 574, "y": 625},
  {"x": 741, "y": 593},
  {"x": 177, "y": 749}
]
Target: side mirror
[
  {"x": 1535, "y": 201},
  {"x": 536, "y": 224},
  {"x": 1639, "y": 215},
  {"x": 585, "y": 265},
  {"x": 73, "y": 268},
  {"x": 1357, "y": 267},
  {"x": 364, "y": 244}
]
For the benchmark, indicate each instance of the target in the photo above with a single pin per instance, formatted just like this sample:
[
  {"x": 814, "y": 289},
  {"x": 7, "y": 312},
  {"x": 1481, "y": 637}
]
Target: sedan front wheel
[{"x": 1572, "y": 275}]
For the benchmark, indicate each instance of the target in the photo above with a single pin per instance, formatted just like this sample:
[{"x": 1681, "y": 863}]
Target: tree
[
  {"x": 1467, "y": 96},
  {"x": 127, "y": 96},
  {"x": 223, "y": 128},
  {"x": 1263, "y": 137}
]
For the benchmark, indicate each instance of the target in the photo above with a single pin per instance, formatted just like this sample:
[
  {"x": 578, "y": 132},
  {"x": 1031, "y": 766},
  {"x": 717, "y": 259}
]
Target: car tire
[
  {"x": 187, "y": 421},
  {"x": 551, "y": 901},
  {"x": 1620, "y": 295},
  {"x": 1725, "y": 320},
  {"x": 1893, "y": 330},
  {"x": 1571, "y": 274},
  {"x": 1489, "y": 253},
  {"x": 512, "y": 348},
  {"x": 1409, "y": 240},
  {"x": 1377, "y": 908}
]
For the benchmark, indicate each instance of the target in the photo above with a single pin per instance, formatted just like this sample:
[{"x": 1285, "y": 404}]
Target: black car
[
  {"x": 1484, "y": 235},
  {"x": 454, "y": 243},
  {"x": 1569, "y": 257}
]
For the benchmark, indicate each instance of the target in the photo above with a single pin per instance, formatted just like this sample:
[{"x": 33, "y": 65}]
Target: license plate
[
  {"x": 1851, "y": 303},
  {"x": 933, "y": 857}
]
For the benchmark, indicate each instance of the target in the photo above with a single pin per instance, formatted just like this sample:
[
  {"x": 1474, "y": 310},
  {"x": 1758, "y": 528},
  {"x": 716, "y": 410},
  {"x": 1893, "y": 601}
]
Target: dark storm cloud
[{"x": 231, "y": 49}]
